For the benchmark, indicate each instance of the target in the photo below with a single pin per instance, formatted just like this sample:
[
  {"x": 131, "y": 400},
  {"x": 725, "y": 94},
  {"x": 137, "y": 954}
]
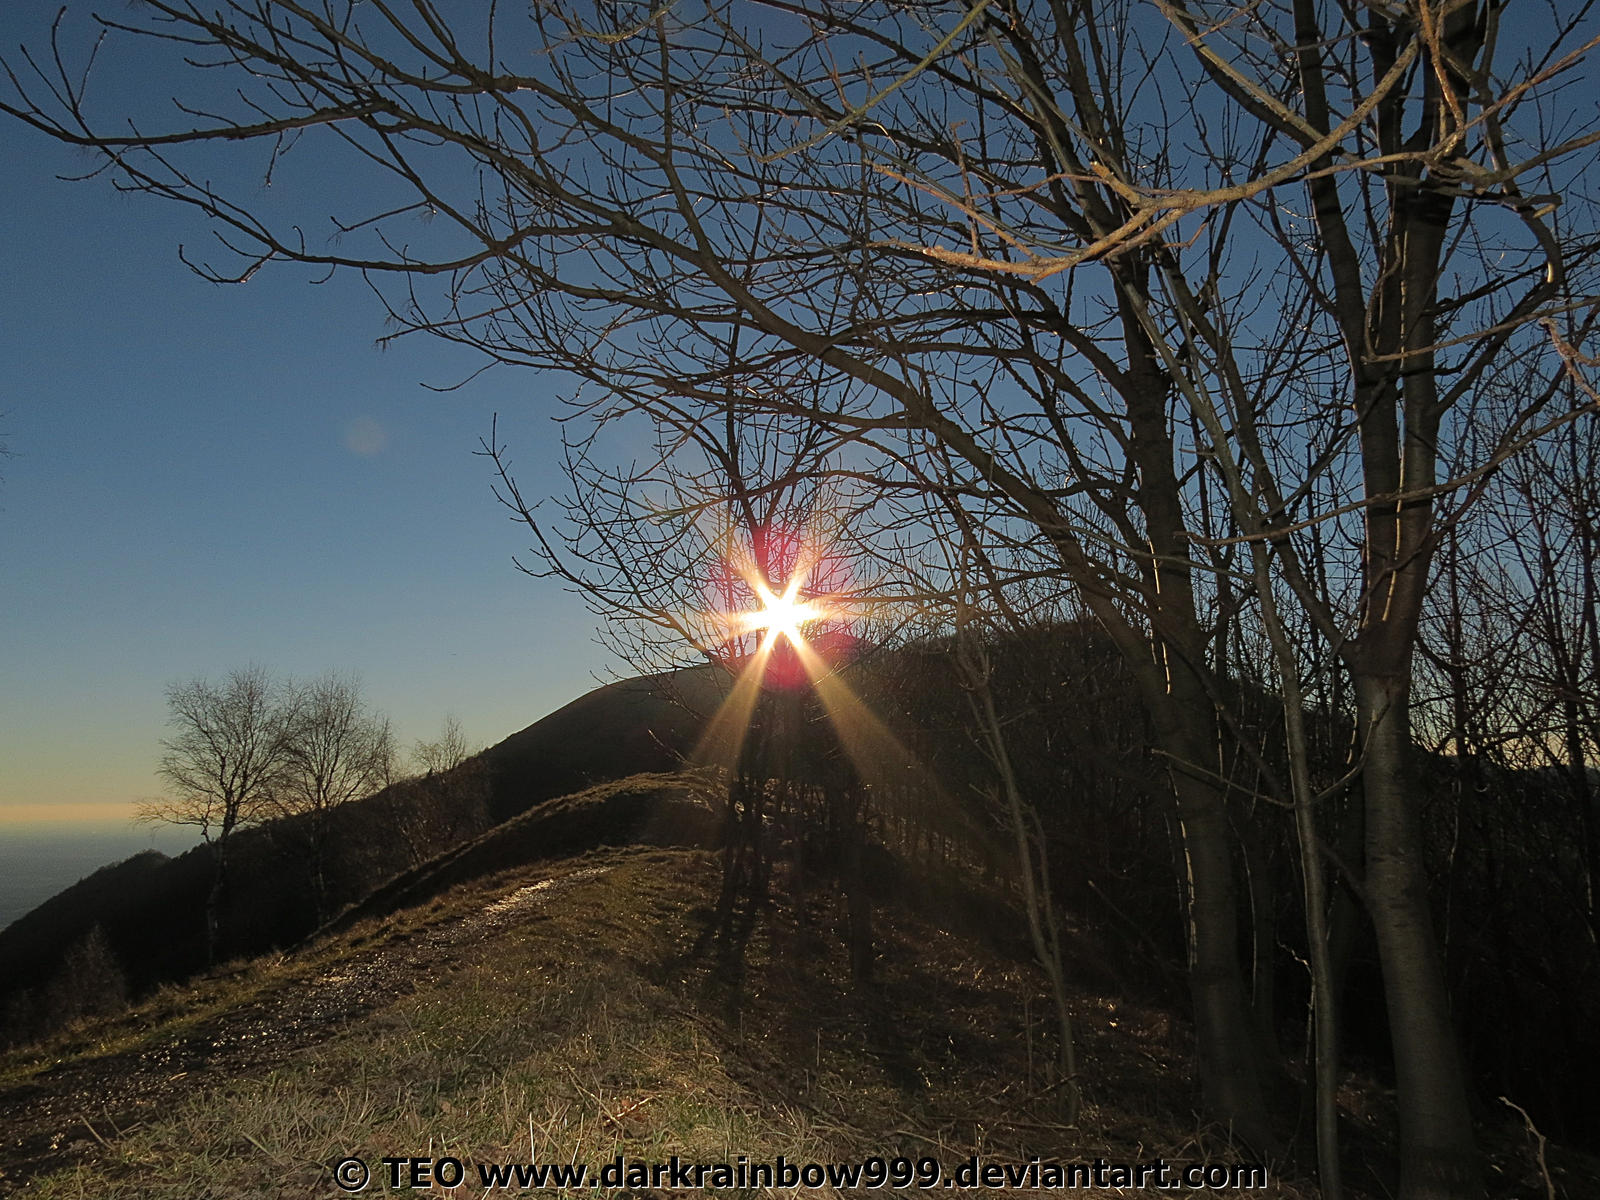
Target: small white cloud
[{"x": 365, "y": 437}]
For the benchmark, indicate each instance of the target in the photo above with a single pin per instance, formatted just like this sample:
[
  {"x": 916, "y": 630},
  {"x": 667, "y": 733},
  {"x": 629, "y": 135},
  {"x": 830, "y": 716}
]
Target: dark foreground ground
[{"x": 572, "y": 1011}]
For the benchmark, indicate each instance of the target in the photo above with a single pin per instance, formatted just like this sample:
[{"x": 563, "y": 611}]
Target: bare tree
[
  {"x": 337, "y": 751},
  {"x": 445, "y": 800},
  {"x": 445, "y": 753},
  {"x": 1554, "y": 521},
  {"x": 226, "y": 765},
  {"x": 1032, "y": 859},
  {"x": 89, "y": 983}
]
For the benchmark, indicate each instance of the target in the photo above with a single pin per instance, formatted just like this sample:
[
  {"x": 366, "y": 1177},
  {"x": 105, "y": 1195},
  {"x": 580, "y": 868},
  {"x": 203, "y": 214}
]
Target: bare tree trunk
[
  {"x": 858, "y": 903},
  {"x": 1438, "y": 1160},
  {"x": 1577, "y": 770},
  {"x": 217, "y": 894},
  {"x": 1037, "y": 901},
  {"x": 1261, "y": 894},
  {"x": 1181, "y": 714},
  {"x": 1324, "y": 1013},
  {"x": 214, "y": 898},
  {"x": 1229, "y": 1060},
  {"x": 1183, "y": 710}
]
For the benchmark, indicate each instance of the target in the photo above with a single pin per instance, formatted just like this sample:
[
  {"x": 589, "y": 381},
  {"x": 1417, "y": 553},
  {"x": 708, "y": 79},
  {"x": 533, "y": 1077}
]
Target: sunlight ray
[
  {"x": 880, "y": 758},
  {"x": 723, "y": 738}
]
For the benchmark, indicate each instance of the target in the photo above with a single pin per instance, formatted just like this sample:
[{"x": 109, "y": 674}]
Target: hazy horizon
[{"x": 39, "y": 860}]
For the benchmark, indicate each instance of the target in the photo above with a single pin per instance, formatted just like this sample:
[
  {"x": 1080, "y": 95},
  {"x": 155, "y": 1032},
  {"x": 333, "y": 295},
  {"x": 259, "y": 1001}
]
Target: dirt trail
[{"x": 66, "y": 1113}]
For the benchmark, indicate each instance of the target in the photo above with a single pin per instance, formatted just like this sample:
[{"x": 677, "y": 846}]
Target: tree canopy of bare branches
[
  {"x": 226, "y": 762},
  {"x": 337, "y": 751},
  {"x": 229, "y": 754},
  {"x": 445, "y": 753}
]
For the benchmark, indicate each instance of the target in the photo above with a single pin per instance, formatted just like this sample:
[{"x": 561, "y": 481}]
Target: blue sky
[{"x": 206, "y": 476}]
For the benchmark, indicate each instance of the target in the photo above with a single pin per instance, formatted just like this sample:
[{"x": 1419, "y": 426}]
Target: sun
[
  {"x": 779, "y": 605},
  {"x": 780, "y": 613}
]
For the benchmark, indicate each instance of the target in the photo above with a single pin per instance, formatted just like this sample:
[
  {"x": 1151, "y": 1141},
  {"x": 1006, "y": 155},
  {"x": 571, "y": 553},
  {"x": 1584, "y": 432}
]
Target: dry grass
[
  {"x": 173, "y": 1009},
  {"x": 586, "y": 1024}
]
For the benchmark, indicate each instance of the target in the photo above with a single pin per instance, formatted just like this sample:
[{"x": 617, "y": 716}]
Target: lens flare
[
  {"x": 780, "y": 614},
  {"x": 785, "y": 615},
  {"x": 771, "y": 591}
]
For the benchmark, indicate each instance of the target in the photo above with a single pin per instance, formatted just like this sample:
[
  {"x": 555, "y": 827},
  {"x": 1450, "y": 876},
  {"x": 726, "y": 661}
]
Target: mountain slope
[
  {"x": 151, "y": 911},
  {"x": 576, "y": 1008},
  {"x": 633, "y": 726},
  {"x": 572, "y": 1012},
  {"x": 650, "y": 810}
]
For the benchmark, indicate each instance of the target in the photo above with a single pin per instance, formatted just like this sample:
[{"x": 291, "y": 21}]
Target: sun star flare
[{"x": 781, "y": 614}]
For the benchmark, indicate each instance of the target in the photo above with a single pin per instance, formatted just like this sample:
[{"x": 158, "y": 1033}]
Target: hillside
[
  {"x": 150, "y": 908},
  {"x": 650, "y": 723},
  {"x": 651, "y": 810},
  {"x": 571, "y": 1009},
  {"x": 388, "y": 1023},
  {"x": 569, "y": 1013}
]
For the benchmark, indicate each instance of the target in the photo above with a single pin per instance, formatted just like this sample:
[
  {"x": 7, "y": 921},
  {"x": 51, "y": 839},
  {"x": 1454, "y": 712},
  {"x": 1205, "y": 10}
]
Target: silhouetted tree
[
  {"x": 89, "y": 983},
  {"x": 226, "y": 765},
  {"x": 336, "y": 751},
  {"x": 445, "y": 753},
  {"x": 446, "y": 800}
]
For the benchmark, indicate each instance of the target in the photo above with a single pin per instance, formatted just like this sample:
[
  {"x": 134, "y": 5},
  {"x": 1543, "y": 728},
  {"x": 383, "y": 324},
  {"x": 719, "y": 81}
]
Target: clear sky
[{"x": 203, "y": 477}]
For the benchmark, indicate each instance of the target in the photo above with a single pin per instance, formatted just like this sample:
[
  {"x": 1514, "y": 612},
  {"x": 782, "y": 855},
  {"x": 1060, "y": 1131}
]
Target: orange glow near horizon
[{"x": 68, "y": 812}]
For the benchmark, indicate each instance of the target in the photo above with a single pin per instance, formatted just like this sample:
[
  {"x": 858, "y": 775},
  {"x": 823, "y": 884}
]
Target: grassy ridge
[
  {"x": 643, "y": 809},
  {"x": 579, "y": 1016}
]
